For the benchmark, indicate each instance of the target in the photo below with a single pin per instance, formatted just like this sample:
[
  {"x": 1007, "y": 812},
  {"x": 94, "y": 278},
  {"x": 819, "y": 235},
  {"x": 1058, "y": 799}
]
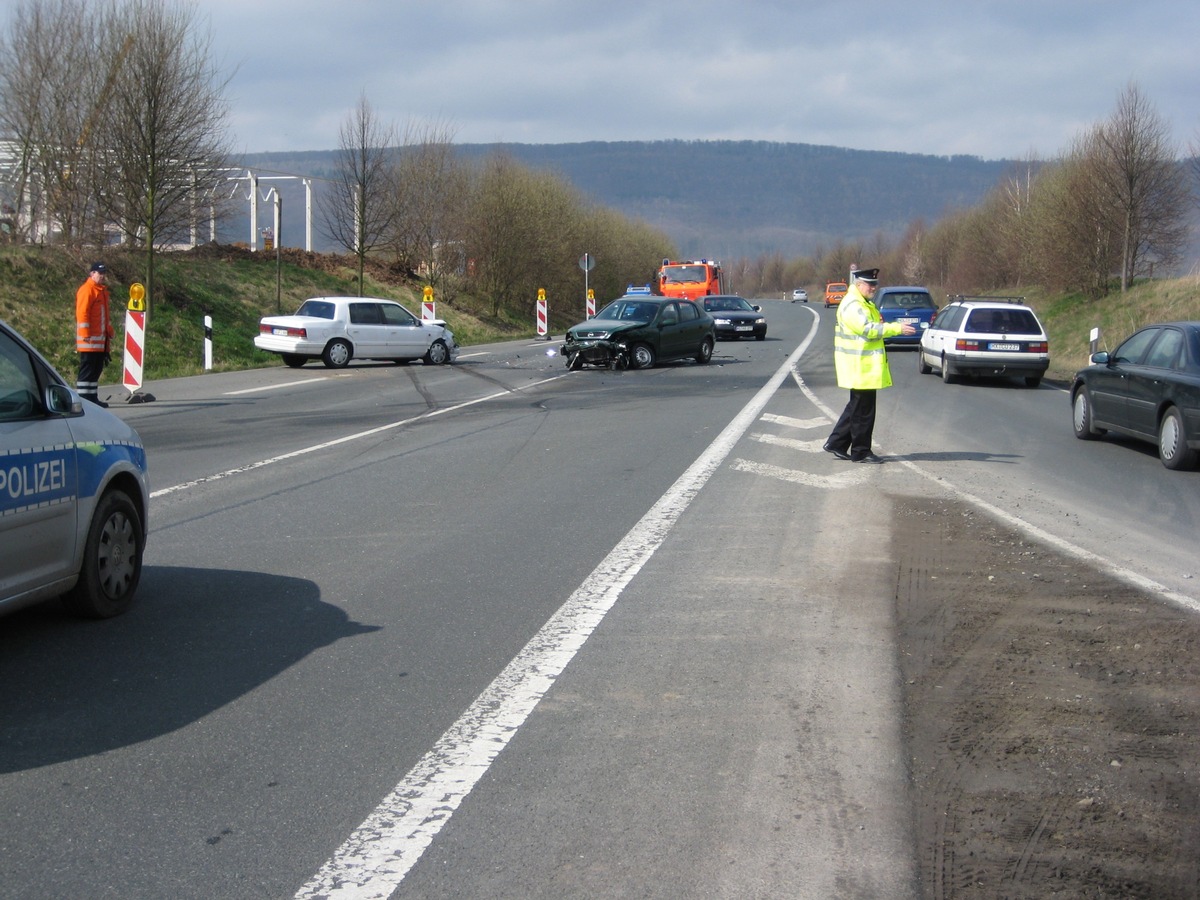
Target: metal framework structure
[{"x": 14, "y": 219}]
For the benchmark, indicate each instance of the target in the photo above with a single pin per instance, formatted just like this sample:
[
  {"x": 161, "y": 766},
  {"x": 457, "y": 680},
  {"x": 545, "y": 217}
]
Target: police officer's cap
[
  {"x": 99, "y": 267},
  {"x": 870, "y": 276}
]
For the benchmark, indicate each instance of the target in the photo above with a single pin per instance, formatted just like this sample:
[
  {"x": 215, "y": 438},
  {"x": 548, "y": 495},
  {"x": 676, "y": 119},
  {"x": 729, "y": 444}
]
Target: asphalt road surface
[{"x": 496, "y": 629}]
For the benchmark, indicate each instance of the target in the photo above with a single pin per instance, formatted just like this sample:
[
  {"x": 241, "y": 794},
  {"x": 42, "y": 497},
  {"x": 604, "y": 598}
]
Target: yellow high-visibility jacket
[
  {"x": 858, "y": 352},
  {"x": 93, "y": 323}
]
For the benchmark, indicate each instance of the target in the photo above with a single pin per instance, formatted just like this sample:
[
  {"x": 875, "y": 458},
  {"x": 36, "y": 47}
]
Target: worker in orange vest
[{"x": 93, "y": 332}]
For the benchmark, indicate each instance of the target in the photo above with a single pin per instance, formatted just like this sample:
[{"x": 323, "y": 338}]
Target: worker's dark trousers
[{"x": 91, "y": 366}]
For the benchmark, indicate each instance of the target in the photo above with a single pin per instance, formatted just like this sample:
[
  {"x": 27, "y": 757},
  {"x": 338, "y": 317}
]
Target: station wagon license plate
[{"x": 1005, "y": 347}]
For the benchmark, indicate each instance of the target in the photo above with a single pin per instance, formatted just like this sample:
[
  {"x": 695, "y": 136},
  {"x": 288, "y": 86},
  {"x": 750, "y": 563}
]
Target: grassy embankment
[
  {"x": 1069, "y": 319},
  {"x": 236, "y": 288}
]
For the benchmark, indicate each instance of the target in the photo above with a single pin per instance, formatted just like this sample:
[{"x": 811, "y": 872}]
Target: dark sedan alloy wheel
[
  {"x": 1172, "y": 442},
  {"x": 642, "y": 356},
  {"x": 1081, "y": 415}
]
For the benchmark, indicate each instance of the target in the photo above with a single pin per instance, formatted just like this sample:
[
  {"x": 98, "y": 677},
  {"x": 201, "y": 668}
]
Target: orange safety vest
[{"x": 93, "y": 324}]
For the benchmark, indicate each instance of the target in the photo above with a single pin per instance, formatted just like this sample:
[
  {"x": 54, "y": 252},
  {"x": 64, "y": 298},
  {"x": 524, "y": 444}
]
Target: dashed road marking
[{"x": 846, "y": 479}]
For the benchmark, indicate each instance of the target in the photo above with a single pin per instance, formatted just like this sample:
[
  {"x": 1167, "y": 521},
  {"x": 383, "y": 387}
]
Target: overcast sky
[{"x": 998, "y": 80}]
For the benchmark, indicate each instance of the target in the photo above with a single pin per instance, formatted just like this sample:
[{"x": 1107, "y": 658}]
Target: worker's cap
[
  {"x": 99, "y": 267},
  {"x": 870, "y": 276}
]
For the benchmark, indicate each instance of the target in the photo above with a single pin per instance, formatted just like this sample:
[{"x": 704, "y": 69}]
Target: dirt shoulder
[{"x": 1052, "y": 717}]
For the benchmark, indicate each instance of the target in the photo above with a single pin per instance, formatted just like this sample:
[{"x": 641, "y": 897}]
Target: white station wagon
[{"x": 336, "y": 330}]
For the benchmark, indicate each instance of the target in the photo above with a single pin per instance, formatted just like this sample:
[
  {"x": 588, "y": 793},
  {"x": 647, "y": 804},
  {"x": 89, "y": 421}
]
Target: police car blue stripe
[{"x": 37, "y": 477}]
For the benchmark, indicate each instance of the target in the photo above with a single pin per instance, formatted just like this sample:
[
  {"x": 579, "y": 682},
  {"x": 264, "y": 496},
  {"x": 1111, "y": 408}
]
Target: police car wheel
[{"x": 112, "y": 560}]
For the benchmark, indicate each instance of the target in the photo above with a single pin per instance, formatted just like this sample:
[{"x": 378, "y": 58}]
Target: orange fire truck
[{"x": 691, "y": 279}]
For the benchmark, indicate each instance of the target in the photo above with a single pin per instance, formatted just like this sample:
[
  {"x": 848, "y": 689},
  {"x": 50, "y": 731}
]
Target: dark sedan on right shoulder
[{"x": 1148, "y": 388}]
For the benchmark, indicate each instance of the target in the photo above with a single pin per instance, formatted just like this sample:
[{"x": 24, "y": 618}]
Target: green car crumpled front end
[{"x": 597, "y": 343}]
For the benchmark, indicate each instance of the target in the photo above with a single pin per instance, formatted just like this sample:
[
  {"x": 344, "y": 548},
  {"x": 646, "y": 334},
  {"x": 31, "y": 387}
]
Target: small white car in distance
[{"x": 336, "y": 330}]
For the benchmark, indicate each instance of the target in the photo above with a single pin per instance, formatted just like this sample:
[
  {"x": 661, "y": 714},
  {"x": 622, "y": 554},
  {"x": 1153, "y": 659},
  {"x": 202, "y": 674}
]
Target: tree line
[
  {"x": 496, "y": 229},
  {"x": 116, "y": 120},
  {"x": 115, "y": 123},
  {"x": 1112, "y": 208}
]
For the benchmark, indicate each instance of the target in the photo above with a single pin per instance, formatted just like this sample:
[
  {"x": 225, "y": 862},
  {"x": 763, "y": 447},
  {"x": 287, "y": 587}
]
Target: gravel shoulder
[{"x": 1051, "y": 717}]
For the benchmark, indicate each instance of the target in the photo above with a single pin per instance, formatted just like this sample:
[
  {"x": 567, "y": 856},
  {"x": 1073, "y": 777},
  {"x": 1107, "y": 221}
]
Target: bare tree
[
  {"x": 430, "y": 193},
  {"x": 53, "y": 72},
  {"x": 163, "y": 131},
  {"x": 1077, "y": 244},
  {"x": 1143, "y": 182},
  {"x": 357, "y": 209}
]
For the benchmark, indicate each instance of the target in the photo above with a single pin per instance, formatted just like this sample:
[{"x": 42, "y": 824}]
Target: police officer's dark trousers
[{"x": 852, "y": 433}]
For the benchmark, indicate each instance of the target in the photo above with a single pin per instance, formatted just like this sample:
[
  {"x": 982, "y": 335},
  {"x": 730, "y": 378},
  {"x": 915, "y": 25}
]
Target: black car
[
  {"x": 1148, "y": 388},
  {"x": 735, "y": 317},
  {"x": 639, "y": 329}
]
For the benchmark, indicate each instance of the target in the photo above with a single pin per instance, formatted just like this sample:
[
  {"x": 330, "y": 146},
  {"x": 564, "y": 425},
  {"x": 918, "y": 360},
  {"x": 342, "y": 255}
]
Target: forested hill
[{"x": 741, "y": 198}]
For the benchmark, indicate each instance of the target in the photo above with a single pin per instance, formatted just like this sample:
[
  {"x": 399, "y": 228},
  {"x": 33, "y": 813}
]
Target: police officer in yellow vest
[{"x": 861, "y": 362}]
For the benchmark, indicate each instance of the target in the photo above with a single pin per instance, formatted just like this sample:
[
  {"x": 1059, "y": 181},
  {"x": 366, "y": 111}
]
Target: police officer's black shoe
[
  {"x": 840, "y": 454},
  {"x": 867, "y": 458}
]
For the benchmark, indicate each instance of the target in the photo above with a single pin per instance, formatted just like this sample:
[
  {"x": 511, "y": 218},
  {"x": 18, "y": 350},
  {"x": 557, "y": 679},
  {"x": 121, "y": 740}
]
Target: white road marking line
[
  {"x": 791, "y": 443},
  {"x": 381, "y": 851},
  {"x": 795, "y": 423},
  {"x": 272, "y": 387},
  {"x": 249, "y": 467},
  {"x": 845, "y": 479}
]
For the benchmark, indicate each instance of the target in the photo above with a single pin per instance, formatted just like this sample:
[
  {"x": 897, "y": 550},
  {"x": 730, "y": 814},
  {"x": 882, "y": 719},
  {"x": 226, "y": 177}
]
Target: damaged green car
[{"x": 638, "y": 330}]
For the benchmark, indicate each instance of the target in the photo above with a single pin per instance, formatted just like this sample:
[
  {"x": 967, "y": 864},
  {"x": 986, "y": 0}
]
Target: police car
[{"x": 73, "y": 492}]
